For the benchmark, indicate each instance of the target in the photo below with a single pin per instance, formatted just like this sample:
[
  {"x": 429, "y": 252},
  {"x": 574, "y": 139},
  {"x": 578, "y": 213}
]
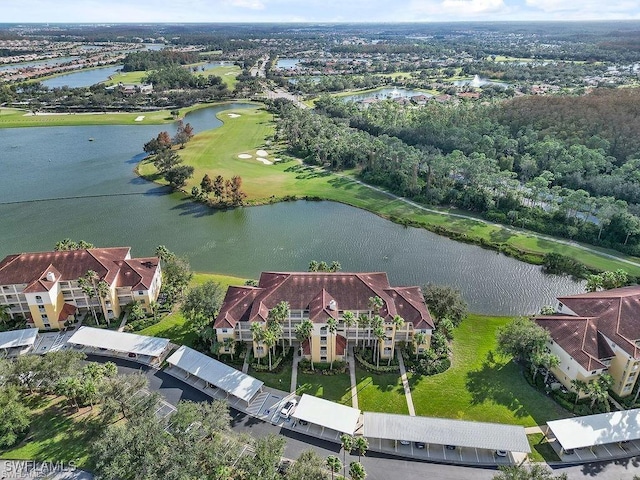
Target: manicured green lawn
[
  {"x": 280, "y": 380},
  {"x": 380, "y": 392},
  {"x": 330, "y": 387},
  {"x": 481, "y": 385},
  {"x": 13, "y": 117},
  {"x": 541, "y": 451},
  {"x": 174, "y": 326},
  {"x": 228, "y": 73},
  {"x": 126, "y": 77},
  {"x": 56, "y": 434}
]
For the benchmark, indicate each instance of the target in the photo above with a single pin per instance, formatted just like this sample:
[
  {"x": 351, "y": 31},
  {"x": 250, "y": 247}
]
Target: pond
[
  {"x": 387, "y": 92},
  {"x": 37, "y": 63},
  {"x": 287, "y": 63},
  {"x": 82, "y": 78},
  {"x": 56, "y": 184}
]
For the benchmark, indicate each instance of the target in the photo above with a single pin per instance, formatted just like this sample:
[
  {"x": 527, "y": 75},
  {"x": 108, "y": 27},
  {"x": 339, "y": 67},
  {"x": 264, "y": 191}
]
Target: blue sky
[{"x": 111, "y": 11}]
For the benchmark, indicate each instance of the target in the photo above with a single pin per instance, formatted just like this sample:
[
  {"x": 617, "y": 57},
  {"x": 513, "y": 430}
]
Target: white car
[{"x": 288, "y": 408}]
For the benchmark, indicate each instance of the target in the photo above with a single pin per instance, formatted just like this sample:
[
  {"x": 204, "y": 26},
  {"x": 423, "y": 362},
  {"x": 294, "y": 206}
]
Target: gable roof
[
  {"x": 600, "y": 318},
  {"x": 323, "y": 295},
  {"x": 113, "y": 265}
]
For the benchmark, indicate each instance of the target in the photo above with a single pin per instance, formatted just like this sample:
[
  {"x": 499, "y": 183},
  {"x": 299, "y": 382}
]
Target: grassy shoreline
[{"x": 20, "y": 118}]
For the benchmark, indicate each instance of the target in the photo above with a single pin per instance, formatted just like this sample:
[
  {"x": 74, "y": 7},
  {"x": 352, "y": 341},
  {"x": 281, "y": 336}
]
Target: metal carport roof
[
  {"x": 492, "y": 436},
  {"x": 18, "y": 338},
  {"x": 327, "y": 414},
  {"x": 216, "y": 373},
  {"x": 119, "y": 341},
  {"x": 597, "y": 429}
]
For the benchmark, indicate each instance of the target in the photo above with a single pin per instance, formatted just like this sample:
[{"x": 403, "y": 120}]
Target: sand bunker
[
  {"x": 265, "y": 161},
  {"x": 244, "y": 155},
  {"x": 233, "y": 115},
  {"x": 261, "y": 153},
  {"x": 139, "y": 118}
]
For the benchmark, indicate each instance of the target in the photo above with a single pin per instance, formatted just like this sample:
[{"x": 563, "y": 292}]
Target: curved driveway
[{"x": 378, "y": 466}]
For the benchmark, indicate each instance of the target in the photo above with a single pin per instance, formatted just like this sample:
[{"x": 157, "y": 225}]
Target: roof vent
[
  {"x": 333, "y": 305},
  {"x": 51, "y": 277}
]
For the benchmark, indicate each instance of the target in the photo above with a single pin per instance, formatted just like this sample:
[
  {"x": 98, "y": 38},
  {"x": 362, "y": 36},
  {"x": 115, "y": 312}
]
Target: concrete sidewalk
[{"x": 405, "y": 383}]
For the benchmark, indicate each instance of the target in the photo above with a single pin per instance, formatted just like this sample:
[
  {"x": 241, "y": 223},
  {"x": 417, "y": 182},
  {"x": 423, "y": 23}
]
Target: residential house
[
  {"x": 595, "y": 333},
  {"x": 319, "y": 296},
  {"x": 43, "y": 287}
]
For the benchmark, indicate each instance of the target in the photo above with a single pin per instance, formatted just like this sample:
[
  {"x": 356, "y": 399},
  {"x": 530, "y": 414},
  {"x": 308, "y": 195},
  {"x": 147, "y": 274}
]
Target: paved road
[{"x": 378, "y": 466}]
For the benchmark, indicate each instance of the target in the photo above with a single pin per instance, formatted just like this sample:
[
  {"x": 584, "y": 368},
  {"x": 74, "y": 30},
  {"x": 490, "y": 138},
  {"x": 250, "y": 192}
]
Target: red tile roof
[
  {"x": 66, "y": 312},
  {"x": 112, "y": 265},
  {"x": 341, "y": 345},
  {"x": 611, "y": 314},
  {"x": 315, "y": 291}
]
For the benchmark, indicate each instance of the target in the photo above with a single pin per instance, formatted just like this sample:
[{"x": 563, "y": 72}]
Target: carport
[
  {"x": 228, "y": 379},
  {"x": 327, "y": 415},
  {"x": 120, "y": 344},
  {"x": 481, "y": 439},
  {"x": 17, "y": 342},
  {"x": 595, "y": 430}
]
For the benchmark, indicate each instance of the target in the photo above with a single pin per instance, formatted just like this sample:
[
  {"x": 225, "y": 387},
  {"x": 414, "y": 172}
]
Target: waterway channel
[{"x": 44, "y": 166}]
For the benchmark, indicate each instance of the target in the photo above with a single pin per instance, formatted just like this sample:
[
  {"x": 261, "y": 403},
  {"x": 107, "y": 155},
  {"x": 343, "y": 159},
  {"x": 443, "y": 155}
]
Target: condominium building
[
  {"x": 318, "y": 297},
  {"x": 43, "y": 287},
  {"x": 595, "y": 333}
]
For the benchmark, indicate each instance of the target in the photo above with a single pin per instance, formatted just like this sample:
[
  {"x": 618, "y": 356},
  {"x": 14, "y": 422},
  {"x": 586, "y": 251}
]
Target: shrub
[{"x": 370, "y": 367}]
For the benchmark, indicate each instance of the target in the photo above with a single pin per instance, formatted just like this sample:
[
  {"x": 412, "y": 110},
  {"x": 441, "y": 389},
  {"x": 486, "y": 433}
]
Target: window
[
  {"x": 224, "y": 330},
  {"x": 140, "y": 292},
  {"x": 46, "y": 325},
  {"x": 45, "y": 318},
  {"x": 38, "y": 299},
  {"x": 323, "y": 359},
  {"x": 323, "y": 340},
  {"x": 323, "y": 350}
]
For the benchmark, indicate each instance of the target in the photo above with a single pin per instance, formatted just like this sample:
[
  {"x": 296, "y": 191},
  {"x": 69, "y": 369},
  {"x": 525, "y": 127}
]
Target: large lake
[{"x": 117, "y": 208}]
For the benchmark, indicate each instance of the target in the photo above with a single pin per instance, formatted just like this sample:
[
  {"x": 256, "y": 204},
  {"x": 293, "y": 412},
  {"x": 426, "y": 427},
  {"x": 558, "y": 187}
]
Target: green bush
[
  {"x": 370, "y": 367},
  {"x": 276, "y": 361},
  {"x": 322, "y": 368}
]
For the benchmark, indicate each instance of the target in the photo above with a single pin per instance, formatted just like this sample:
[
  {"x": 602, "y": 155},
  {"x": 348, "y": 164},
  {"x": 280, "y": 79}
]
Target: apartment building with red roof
[
  {"x": 319, "y": 296},
  {"x": 43, "y": 287},
  {"x": 595, "y": 333}
]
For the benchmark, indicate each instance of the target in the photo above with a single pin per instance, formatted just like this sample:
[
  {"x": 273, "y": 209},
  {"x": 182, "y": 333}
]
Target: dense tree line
[
  {"x": 157, "y": 59},
  {"x": 537, "y": 175}
]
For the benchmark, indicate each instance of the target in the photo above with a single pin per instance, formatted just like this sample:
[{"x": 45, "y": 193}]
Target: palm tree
[
  {"x": 335, "y": 266},
  {"x": 304, "y": 332},
  {"x": 363, "y": 322},
  {"x": 334, "y": 465},
  {"x": 269, "y": 339},
  {"x": 375, "y": 304},
  {"x": 579, "y": 386},
  {"x": 356, "y": 471},
  {"x": 349, "y": 320},
  {"x": 154, "y": 307},
  {"x": 419, "y": 338},
  {"x": 229, "y": 343},
  {"x": 362, "y": 445},
  {"x": 257, "y": 332},
  {"x": 103, "y": 290},
  {"x": 5, "y": 316},
  {"x": 279, "y": 314},
  {"x": 398, "y": 322},
  {"x": 347, "y": 445},
  {"x": 378, "y": 333},
  {"x": 332, "y": 326},
  {"x": 598, "y": 390},
  {"x": 87, "y": 287}
]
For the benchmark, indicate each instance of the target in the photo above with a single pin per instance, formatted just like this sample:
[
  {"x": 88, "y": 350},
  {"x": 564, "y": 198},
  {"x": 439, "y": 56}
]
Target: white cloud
[
  {"x": 250, "y": 4},
  {"x": 455, "y": 9},
  {"x": 584, "y": 6}
]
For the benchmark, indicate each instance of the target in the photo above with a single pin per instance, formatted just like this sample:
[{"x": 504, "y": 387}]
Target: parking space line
[{"x": 605, "y": 447}]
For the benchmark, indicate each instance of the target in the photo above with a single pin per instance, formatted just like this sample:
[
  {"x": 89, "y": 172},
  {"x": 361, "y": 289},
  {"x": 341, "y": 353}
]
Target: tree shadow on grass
[
  {"x": 501, "y": 235},
  {"x": 494, "y": 382}
]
